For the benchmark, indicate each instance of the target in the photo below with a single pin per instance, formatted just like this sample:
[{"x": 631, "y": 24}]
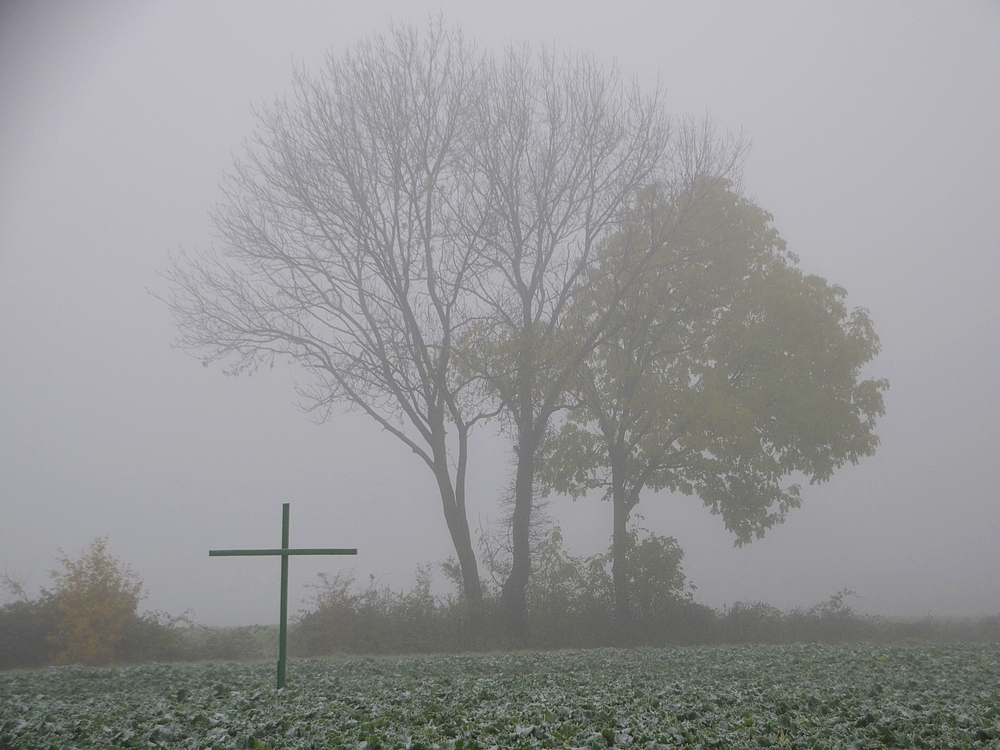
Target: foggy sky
[{"x": 876, "y": 146}]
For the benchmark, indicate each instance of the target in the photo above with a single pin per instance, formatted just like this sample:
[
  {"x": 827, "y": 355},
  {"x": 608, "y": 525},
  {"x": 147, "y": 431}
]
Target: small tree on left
[{"x": 96, "y": 601}]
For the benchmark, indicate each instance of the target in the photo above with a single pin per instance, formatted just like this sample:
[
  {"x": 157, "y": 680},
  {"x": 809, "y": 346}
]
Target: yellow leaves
[{"x": 96, "y": 599}]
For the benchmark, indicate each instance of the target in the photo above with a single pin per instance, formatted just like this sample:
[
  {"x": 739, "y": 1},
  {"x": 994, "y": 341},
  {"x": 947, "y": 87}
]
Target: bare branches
[
  {"x": 338, "y": 249},
  {"x": 334, "y": 229},
  {"x": 561, "y": 146},
  {"x": 413, "y": 226}
]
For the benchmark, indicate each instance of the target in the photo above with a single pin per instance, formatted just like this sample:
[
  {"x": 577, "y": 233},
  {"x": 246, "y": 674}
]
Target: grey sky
[{"x": 876, "y": 145}]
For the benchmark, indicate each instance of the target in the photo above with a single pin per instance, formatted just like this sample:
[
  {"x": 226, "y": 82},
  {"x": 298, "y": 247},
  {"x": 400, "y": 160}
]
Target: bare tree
[
  {"x": 340, "y": 251},
  {"x": 562, "y": 147}
]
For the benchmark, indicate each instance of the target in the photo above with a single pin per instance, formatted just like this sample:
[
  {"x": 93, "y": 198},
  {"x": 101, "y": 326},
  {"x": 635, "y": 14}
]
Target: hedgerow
[{"x": 570, "y": 605}]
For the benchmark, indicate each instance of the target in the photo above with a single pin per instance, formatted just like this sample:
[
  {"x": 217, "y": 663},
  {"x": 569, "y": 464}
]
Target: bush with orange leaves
[{"x": 96, "y": 601}]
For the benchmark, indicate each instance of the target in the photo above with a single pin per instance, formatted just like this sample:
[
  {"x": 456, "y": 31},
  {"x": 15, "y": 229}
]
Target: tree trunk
[
  {"x": 619, "y": 556},
  {"x": 458, "y": 527},
  {"x": 472, "y": 589},
  {"x": 513, "y": 596}
]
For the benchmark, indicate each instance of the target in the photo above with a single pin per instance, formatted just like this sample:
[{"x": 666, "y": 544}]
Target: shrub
[
  {"x": 152, "y": 636},
  {"x": 96, "y": 600},
  {"x": 378, "y": 620},
  {"x": 24, "y": 630},
  {"x": 754, "y": 622},
  {"x": 569, "y": 598},
  {"x": 89, "y": 616}
]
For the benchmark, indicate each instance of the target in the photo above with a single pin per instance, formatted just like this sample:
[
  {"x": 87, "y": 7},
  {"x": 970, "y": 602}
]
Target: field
[{"x": 811, "y": 696}]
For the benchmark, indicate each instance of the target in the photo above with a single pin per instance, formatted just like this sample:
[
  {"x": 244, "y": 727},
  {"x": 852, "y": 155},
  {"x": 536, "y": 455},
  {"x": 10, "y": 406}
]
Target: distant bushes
[
  {"x": 570, "y": 605},
  {"x": 90, "y": 616},
  {"x": 27, "y": 632},
  {"x": 25, "y": 627},
  {"x": 377, "y": 620},
  {"x": 832, "y": 621}
]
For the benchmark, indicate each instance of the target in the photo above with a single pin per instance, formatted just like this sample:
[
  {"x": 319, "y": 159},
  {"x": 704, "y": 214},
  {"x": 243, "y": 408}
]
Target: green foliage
[
  {"x": 817, "y": 696},
  {"x": 24, "y": 630},
  {"x": 378, "y": 620},
  {"x": 568, "y": 597},
  {"x": 731, "y": 370},
  {"x": 754, "y": 622},
  {"x": 569, "y": 604},
  {"x": 571, "y": 599}
]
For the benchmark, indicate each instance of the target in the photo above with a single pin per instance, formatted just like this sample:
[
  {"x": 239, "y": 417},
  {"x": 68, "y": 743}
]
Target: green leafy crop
[{"x": 859, "y": 696}]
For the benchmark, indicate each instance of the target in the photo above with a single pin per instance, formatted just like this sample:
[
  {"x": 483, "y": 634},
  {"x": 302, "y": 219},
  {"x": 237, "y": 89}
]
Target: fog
[{"x": 874, "y": 131}]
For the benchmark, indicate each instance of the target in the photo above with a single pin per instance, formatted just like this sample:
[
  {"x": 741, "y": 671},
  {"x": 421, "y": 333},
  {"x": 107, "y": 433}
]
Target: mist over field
[{"x": 874, "y": 147}]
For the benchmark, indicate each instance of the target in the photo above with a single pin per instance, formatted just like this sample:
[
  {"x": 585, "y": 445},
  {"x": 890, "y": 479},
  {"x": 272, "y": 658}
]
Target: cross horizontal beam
[{"x": 263, "y": 552}]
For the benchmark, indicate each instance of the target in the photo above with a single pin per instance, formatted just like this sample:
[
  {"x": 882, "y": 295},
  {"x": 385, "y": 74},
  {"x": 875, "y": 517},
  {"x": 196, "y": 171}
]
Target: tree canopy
[{"x": 730, "y": 372}]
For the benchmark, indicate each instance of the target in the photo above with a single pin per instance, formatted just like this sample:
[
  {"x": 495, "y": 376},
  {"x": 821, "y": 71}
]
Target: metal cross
[{"x": 285, "y": 552}]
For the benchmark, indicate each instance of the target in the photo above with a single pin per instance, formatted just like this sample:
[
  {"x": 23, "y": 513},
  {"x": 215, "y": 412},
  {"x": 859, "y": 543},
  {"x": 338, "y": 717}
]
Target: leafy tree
[
  {"x": 729, "y": 372},
  {"x": 96, "y": 602}
]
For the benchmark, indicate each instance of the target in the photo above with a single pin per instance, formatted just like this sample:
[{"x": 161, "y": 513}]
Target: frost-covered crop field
[{"x": 747, "y": 697}]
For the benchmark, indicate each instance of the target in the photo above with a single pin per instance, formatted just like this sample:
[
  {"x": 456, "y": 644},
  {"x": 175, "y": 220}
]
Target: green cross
[{"x": 285, "y": 552}]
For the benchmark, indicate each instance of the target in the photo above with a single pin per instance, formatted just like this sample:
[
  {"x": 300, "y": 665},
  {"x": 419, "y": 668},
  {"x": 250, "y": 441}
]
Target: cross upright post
[
  {"x": 283, "y": 621},
  {"x": 284, "y": 552}
]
